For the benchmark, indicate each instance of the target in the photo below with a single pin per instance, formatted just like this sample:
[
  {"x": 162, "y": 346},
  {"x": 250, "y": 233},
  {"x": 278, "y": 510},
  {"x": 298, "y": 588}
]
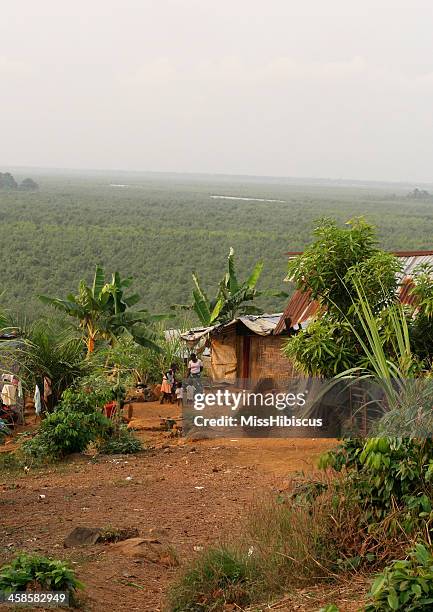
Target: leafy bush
[
  {"x": 48, "y": 574},
  {"x": 330, "y": 270},
  {"x": 123, "y": 442},
  {"x": 405, "y": 585},
  {"x": 85, "y": 400},
  {"x": 387, "y": 477},
  {"x": 4, "y": 431},
  {"x": 65, "y": 432},
  {"x": 325, "y": 348}
]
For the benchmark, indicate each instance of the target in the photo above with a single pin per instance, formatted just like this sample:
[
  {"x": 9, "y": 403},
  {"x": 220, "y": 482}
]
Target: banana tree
[
  {"x": 102, "y": 310},
  {"x": 233, "y": 298}
]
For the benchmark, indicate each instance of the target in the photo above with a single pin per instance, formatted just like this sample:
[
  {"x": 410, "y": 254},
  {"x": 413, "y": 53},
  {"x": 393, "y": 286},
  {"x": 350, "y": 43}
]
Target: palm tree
[
  {"x": 233, "y": 298},
  {"x": 103, "y": 311},
  {"x": 50, "y": 349}
]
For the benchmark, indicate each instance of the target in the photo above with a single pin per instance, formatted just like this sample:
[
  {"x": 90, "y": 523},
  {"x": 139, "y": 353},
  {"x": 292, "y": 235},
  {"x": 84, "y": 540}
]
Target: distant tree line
[
  {"x": 8, "y": 182},
  {"x": 418, "y": 194}
]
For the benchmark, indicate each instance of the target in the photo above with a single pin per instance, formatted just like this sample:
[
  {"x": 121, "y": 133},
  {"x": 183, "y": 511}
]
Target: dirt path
[{"x": 185, "y": 493}]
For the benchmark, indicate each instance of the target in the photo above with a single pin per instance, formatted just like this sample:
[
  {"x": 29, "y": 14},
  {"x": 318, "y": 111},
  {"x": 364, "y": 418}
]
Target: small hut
[{"x": 245, "y": 348}]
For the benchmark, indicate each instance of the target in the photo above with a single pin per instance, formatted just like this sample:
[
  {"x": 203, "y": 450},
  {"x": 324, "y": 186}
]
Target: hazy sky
[{"x": 319, "y": 88}]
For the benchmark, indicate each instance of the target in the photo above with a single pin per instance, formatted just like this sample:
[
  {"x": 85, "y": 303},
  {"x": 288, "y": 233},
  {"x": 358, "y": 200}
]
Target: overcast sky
[{"x": 312, "y": 88}]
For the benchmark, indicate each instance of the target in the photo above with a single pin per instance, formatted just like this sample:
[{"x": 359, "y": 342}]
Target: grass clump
[
  {"x": 122, "y": 442},
  {"x": 220, "y": 576},
  {"x": 111, "y": 535}
]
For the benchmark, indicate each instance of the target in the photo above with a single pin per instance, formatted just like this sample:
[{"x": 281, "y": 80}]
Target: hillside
[{"x": 159, "y": 228}]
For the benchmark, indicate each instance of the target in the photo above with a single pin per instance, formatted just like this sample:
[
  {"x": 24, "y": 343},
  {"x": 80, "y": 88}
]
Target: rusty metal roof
[
  {"x": 301, "y": 308},
  {"x": 405, "y": 292}
]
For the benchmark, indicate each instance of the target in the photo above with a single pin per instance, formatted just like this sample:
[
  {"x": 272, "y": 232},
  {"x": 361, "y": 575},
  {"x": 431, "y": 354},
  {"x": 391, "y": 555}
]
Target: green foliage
[
  {"x": 29, "y": 184},
  {"x": 325, "y": 348},
  {"x": 122, "y": 442},
  {"x": 336, "y": 257},
  {"x": 7, "y": 181},
  {"x": 353, "y": 282},
  {"x": 4, "y": 431},
  {"x": 421, "y": 329},
  {"x": 361, "y": 324},
  {"x": 233, "y": 299},
  {"x": 50, "y": 349},
  {"x": 161, "y": 228},
  {"x": 65, "y": 432},
  {"x": 405, "y": 585},
  {"x": 103, "y": 310},
  {"x": 30, "y": 570},
  {"x": 387, "y": 477},
  {"x": 86, "y": 400},
  {"x": 410, "y": 412},
  {"x": 131, "y": 363}
]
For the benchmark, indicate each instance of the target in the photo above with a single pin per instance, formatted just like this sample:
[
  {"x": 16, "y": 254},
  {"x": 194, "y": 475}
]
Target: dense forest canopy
[{"x": 160, "y": 228}]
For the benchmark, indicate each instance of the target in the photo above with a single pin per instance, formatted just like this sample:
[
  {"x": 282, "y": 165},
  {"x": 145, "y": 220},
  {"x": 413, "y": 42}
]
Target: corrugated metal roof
[
  {"x": 301, "y": 308},
  {"x": 197, "y": 333},
  {"x": 262, "y": 325},
  {"x": 405, "y": 295},
  {"x": 413, "y": 261}
]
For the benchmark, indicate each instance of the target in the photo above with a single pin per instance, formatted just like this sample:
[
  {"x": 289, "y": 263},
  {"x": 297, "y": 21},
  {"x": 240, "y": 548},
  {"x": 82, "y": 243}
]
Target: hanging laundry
[{"x": 37, "y": 400}]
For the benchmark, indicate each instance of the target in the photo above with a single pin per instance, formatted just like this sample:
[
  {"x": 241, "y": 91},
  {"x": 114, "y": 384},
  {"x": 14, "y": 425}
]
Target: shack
[{"x": 245, "y": 348}]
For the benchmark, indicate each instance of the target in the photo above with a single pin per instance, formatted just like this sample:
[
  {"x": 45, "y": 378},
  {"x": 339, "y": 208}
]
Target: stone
[
  {"x": 147, "y": 549},
  {"x": 82, "y": 536}
]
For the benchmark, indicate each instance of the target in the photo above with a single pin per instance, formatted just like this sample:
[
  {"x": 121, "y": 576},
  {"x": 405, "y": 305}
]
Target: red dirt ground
[{"x": 188, "y": 493}]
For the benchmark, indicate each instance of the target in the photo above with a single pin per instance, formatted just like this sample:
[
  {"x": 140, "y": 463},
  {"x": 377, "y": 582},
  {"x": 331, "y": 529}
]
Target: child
[
  {"x": 166, "y": 389},
  {"x": 190, "y": 392},
  {"x": 179, "y": 394}
]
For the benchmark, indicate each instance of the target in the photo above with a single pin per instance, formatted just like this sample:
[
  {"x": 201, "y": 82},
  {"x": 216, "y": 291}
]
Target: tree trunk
[{"x": 90, "y": 345}]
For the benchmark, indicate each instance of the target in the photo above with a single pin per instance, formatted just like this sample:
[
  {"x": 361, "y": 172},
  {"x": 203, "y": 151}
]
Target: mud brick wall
[{"x": 267, "y": 359}]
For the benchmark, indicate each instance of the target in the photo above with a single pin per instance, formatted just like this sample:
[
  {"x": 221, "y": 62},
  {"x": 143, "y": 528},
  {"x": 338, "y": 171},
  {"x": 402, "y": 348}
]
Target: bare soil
[{"x": 186, "y": 494}]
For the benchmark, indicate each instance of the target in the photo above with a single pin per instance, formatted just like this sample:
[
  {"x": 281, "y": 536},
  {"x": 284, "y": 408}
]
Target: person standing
[
  {"x": 195, "y": 366},
  {"x": 179, "y": 393},
  {"x": 168, "y": 387}
]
